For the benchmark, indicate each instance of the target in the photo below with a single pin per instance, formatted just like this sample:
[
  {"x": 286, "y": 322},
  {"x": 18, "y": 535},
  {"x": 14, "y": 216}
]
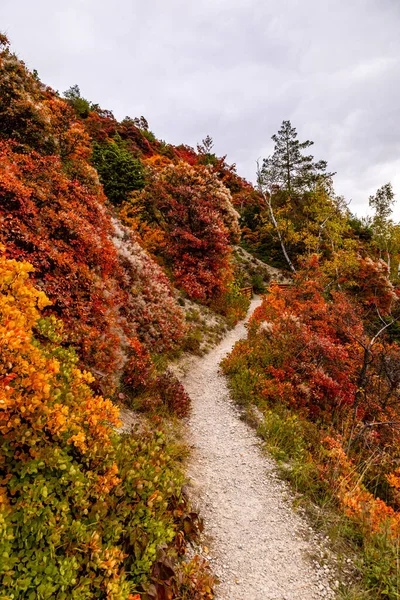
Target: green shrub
[
  {"x": 149, "y": 135},
  {"x": 192, "y": 341},
  {"x": 81, "y": 106},
  {"x": 380, "y": 566},
  {"x": 243, "y": 384},
  {"x": 258, "y": 283},
  {"x": 119, "y": 172}
]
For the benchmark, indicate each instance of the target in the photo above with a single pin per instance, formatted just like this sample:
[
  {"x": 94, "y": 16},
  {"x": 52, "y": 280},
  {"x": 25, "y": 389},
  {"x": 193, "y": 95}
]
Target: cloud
[{"x": 234, "y": 69}]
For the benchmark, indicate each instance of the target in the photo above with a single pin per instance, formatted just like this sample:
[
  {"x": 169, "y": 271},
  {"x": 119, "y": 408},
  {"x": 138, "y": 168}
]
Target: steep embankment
[{"x": 257, "y": 549}]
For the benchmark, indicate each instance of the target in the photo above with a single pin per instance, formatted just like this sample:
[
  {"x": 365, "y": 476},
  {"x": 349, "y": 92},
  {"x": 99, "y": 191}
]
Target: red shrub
[
  {"x": 53, "y": 213},
  {"x": 192, "y": 210},
  {"x": 172, "y": 394}
]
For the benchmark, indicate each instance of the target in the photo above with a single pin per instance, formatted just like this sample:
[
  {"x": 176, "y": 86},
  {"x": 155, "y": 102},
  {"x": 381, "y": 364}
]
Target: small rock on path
[{"x": 256, "y": 549}]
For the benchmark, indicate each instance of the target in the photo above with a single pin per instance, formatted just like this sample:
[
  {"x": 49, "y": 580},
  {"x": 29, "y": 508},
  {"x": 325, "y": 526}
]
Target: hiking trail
[{"x": 257, "y": 543}]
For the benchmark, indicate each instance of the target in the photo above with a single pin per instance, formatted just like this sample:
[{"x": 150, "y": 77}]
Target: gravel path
[{"x": 257, "y": 544}]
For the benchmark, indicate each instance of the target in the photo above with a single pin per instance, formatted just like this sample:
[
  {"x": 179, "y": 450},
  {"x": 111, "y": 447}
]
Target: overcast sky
[{"x": 234, "y": 69}]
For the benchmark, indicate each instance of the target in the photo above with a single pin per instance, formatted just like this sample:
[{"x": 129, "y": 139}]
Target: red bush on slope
[
  {"x": 325, "y": 378},
  {"x": 318, "y": 342},
  {"x": 326, "y": 358},
  {"x": 53, "y": 213},
  {"x": 187, "y": 215}
]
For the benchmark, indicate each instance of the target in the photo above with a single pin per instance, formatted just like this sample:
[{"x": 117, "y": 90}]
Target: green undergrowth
[
  {"x": 367, "y": 567},
  {"x": 251, "y": 271},
  {"x": 232, "y": 304}
]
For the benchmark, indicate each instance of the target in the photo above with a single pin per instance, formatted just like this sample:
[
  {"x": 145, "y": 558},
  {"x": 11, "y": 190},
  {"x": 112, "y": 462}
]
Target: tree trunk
[
  {"x": 289, "y": 181},
  {"x": 360, "y": 393},
  {"x": 388, "y": 262},
  {"x": 362, "y": 379},
  {"x": 267, "y": 200},
  {"x": 275, "y": 224}
]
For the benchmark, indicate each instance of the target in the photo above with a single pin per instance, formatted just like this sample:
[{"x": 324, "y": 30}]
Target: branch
[
  {"x": 394, "y": 424},
  {"x": 372, "y": 342}
]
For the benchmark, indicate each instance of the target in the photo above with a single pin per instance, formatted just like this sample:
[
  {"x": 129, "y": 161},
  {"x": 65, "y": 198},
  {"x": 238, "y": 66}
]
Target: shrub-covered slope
[
  {"x": 102, "y": 229},
  {"x": 83, "y": 510},
  {"x": 322, "y": 369},
  {"x": 109, "y": 264},
  {"x": 109, "y": 293}
]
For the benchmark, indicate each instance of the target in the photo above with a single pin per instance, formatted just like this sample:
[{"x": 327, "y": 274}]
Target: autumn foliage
[
  {"x": 321, "y": 355},
  {"x": 85, "y": 512},
  {"x": 82, "y": 510},
  {"x": 106, "y": 289},
  {"x": 110, "y": 285},
  {"x": 102, "y": 228},
  {"x": 185, "y": 217},
  {"x": 106, "y": 235}
]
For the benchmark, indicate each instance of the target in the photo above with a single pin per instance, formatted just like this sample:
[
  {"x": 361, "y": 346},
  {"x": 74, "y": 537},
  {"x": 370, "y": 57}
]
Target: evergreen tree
[
  {"x": 206, "y": 145},
  {"x": 119, "y": 172},
  {"x": 298, "y": 195},
  {"x": 288, "y": 167},
  {"x": 206, "y": 154}
]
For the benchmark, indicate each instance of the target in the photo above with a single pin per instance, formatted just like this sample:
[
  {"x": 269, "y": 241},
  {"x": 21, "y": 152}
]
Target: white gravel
[{"x": 257, "y": 546}]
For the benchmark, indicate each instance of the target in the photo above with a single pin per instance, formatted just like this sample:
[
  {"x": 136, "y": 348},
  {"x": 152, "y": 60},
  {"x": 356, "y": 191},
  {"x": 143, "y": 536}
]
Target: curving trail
[{"x": 256, "y": 546}]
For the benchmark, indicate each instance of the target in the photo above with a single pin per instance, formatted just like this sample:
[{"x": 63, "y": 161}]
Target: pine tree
[
  {"x": 285, "y": 181},
  {"x": 119, "y": 172},
  {"x": 206, "y": 145},
  {"x": 288, "y": 167}
]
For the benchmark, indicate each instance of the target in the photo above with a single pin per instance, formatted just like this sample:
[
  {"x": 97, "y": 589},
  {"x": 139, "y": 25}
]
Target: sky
[{"x": 234, "y": 70}]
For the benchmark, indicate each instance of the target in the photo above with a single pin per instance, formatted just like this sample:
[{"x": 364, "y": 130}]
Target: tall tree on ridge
[
  {"x": 288, "y": 167},
  {"x": 290, "y": 171}
]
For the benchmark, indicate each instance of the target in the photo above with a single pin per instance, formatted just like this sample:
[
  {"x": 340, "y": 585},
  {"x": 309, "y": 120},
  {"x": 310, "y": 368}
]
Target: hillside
[
  {"x": 109, "y": 239},
  {"x": 123, "y": 261}
]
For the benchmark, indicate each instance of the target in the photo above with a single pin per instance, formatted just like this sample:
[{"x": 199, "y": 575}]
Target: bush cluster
[
  {"x": 102, "y": 284},
  {"x": 327, "y": 386},
  {"x": 83, "y": 511}
]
